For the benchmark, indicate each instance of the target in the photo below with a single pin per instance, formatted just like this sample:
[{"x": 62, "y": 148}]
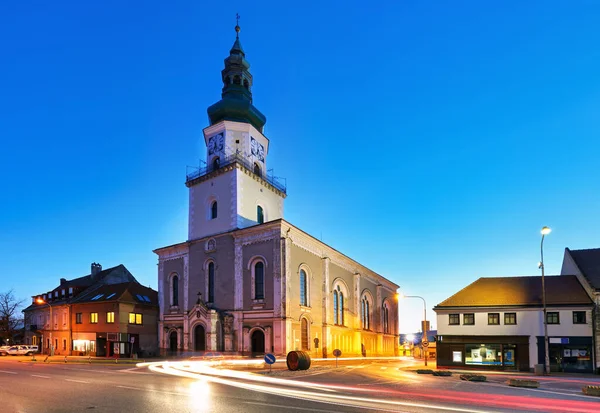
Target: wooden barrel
[{"x": 298, "y": 360}]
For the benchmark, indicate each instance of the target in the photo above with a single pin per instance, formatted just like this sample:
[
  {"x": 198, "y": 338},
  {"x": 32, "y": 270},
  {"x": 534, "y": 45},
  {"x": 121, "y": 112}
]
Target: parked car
[
  {"x": 4, "y": 350},
  {"x": 20, "y": 351}
]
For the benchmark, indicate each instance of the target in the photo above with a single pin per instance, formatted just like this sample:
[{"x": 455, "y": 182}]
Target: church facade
[{"x": 248, "y": 282}]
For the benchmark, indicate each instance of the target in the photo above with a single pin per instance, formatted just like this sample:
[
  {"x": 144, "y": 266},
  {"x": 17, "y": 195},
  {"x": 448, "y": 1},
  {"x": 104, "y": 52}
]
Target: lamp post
[
  {"x": 545, "y": 231},
  {"x": 424, "y": 323},
  {"x": 41, "y": 301}
]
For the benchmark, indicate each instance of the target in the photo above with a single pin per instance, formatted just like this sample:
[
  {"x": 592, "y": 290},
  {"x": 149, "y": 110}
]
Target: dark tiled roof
[
  {"x": 588, "y": 262},
  {"x": 88, "y": 280},
  {"x": 113, "y": 292},
  {"x": 519, "y": 291}
]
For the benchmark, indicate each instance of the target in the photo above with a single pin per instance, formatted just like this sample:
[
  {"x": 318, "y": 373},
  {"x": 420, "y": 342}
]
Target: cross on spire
[{"x": 237, "y": 26}]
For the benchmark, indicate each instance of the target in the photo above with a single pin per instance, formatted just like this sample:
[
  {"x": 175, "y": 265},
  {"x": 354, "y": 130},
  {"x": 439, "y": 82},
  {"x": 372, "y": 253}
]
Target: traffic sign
[
  {"x": 269, "y": 358},
  {"x": 337, "y": 352},
  {"x": 425, "y": 343},
  {"x": 132, "y": 340}
]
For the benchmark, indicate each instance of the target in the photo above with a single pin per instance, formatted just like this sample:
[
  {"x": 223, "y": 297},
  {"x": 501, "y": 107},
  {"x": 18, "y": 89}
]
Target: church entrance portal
[
  {"x": 258, "y": 342},
  {"x": 173, "y": 341},
  {"x": 199, "y": 338}
]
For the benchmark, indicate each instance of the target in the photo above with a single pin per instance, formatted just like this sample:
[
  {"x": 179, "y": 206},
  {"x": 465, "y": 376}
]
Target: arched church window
[
  {"x": 341, "y": 306},
  {"x": 175, "y": 291},
  {"x": 246, "y": 84},
  {"x": 213, "y": 210},
  {"x": 259, "y": 280},
  {"x": 215, "y": 164},
  {"x": 260, "y": 216},
  {"x": 335, "y": 307},
  {"x": 303, "y": 289},
  {"x": 257, "y": 169},
  {"x": 211, "y": 282}
]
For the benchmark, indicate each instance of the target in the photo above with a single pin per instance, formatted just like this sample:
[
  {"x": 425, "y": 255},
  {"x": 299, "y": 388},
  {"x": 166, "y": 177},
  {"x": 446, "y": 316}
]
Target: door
[
  {"x": 199, "y": 338},
  {"x": 258, "y": 342},
  {"x": 173, "y": 341},
  {"x": 509, "y": 357},
  {"x": 304, "y": 334},
  {"x": 101, "y": 347}
]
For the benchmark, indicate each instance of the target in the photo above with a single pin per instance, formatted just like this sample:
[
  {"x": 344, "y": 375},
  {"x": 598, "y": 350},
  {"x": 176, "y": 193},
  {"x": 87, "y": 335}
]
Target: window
[
  {"x": 78, "y": 318},
  {"x": 93, "y": 318},
  {"x": 386, "y": 325},
  {"x": 135, "y": 318},
  {"x": 211, "y": 282},
  {"x": 483, "y": 354},
  {"x": 70, "y": 290},
  {"x": 510, "y": 318},
  {"x": 110, "y": 317},
  {"x": 260, "y": 216},
  {"x": 365, "y": 314},
  {"x": 453, "y": 319},
  {"x": 552, "y": 317},
  {"x": 469, "y": 319},
  {"x": 64, "y": 318},
  {"x": 259, "y": 280},
  {"x": 303, "y": 293},
  {"x": 257, "y": 169},
  {"x": 64, "y": 343},
  {"x": 215, "y": 164},
  {"x": 175, "y": 291},
  {"x": 579, "y": 317},
  {"x": 335, "y": 307},
  {"x": 493, "y": 318},
  {"x": 62, "y": 292},
  {"x": 213, "y": 210},
  {"x": 341, "y": 306}
]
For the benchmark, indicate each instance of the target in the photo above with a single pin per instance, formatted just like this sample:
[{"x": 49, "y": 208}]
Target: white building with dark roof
[{"x": 497, "y": 323}]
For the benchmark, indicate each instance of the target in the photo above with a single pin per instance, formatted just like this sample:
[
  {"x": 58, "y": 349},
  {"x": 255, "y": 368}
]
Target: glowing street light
[{"x": 545, "y": 231}]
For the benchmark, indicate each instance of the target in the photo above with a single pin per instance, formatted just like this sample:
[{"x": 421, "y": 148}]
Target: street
[{"x": 196, "y": 386}]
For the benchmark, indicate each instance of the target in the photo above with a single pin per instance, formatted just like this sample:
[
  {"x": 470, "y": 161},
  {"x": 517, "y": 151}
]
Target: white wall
[{"x": 251, "y": 193}]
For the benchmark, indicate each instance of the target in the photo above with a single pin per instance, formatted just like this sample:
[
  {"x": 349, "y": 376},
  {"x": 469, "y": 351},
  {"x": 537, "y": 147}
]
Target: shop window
[
  {"x": 453, "y": 319},
  {"x": 552, "y": 317},
  {"x": 469, "y": 319},
  {"x": 510, "y": 318},
  {"x": 579, "y": 317},
  {"x": 483, "y": 354},
  {"x": 493, "y": 319}
]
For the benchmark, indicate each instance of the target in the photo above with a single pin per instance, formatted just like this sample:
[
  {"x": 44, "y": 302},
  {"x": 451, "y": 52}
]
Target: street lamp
[
  {"x": 41, "y": 301},
  {"x": 424, "y": 340},
  {"x": 545, "y": 231}
]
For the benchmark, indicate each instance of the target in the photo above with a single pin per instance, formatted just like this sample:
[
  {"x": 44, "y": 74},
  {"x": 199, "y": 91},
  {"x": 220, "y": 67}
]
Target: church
[{"x": 247, "y": 282}]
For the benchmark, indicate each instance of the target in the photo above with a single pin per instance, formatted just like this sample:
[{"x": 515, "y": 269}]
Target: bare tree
[{"x": 10, "y": 316}]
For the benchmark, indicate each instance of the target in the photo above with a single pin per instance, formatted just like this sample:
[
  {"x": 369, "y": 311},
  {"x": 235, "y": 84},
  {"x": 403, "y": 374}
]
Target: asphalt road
[{"x": 352, "y": 387}]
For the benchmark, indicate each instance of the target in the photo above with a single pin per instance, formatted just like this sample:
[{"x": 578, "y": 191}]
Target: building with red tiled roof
[{"x": 498, "y": 323}]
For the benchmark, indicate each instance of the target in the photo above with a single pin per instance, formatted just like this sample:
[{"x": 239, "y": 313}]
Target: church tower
[{"x": 234, "y": 190}]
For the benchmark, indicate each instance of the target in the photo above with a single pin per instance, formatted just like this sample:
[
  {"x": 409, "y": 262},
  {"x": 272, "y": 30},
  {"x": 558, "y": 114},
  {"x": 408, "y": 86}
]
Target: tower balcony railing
[{"x": 195, "y": 173}]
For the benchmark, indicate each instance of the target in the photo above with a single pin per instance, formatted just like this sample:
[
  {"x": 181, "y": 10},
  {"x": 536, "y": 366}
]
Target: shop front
[
  {"x": 484, "y": 352},
  {"x": 567, "y": 354},
  {"x": 84, "y": 344}
]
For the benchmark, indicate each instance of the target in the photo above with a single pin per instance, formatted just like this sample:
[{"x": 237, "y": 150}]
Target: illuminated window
[
  {"x": 453, "y": 319},
  {"x": 386, "y": 319},
  {"x": 365, "y": 314},
  {"x": 493, "y": 318},
  {"x": 552, "y": 317},
  {"x": 579, "y": 317},
  {"x": 93, "y": 318},
  {"x": 303, "y": 292},
  {"x": 78, "y": 318},
  {"x": 110, "y": 317},
  {"x": 469, "y": 319},
  {"x": 510, "y": 318},
  {"x": 135, "y": 318}
]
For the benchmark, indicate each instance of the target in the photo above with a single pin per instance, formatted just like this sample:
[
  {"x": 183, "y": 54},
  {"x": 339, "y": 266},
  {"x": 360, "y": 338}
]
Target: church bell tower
[{"x": 234, "y": 190}]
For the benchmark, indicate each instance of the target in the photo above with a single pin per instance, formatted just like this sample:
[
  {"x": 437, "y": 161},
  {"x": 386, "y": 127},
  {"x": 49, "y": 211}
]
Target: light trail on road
[{"x": 442, "y": 400}]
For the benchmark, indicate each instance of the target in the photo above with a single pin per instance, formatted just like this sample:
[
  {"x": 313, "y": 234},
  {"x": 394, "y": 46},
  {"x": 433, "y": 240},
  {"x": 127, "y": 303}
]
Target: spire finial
[{"x": 237, "y": 26}]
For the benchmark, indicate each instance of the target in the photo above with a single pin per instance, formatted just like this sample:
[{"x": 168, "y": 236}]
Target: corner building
[{"x": 248, "y": 282}]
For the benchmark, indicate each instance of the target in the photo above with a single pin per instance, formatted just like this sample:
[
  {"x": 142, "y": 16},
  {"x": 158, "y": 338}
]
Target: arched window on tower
[
  {"x": 303, "y": 289},
  {"x": 257, "y": 170},
  {"x": 227, "y": 81},
  {"x": 259, "y": 280},
  {"x": 237, "y": 80},
  {"x": 215, "y": 164},
  {"x": 211, "y": 282},
  {"x": 246, "y": 84},
  {"x": 175, "y": 291},
  {"x": 260, "y": 216},
  {"x": 213, "y": 210}
]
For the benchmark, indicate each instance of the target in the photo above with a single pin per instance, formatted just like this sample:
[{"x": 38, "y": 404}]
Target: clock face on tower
[
  {"x": 257, "y": 149},
  {"x": 216, "y": 143}
]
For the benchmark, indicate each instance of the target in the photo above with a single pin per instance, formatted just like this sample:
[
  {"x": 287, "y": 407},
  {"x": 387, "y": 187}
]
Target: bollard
[
  {"x": 65, "y": 359},
  {"x": 90, "y": 359}
]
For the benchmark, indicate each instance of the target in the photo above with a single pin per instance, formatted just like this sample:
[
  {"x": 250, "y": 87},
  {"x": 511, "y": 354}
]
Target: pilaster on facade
[
  {"x": 356, "y": 295},
  {"x": 186, "y": 282},
  {"x": 378, "y": 313},
  {"x": 326, "y": 293},
  {"x": 288, "y": 275},
  {"x": 238, "y": 285},
  {"x": 278, "y": 308}
]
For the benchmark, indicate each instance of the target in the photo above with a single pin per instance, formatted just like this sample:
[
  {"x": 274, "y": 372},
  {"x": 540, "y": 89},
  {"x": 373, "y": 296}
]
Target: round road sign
[
  {"x": 425, "y": 343},
  {"x": 337, "y": 352},
  {"x": 269, "y": 358}
]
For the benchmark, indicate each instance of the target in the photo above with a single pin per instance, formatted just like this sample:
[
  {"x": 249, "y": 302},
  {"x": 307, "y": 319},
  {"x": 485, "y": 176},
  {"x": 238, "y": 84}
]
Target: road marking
[
  {"x": 78, "y": 381},
  {"x": 383, "y": 368},
  {"x": 41, "y": 377},
  {"x": 7, "y": 372},
  {"x": 154, "y": 391}
]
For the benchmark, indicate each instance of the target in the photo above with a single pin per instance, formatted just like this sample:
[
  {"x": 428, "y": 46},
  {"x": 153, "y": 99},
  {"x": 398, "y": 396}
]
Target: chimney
[
  {"x": 96, "y": 268},
  {"x": 62, "y": 281}
]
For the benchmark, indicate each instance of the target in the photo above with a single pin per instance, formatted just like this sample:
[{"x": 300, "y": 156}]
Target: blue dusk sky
[{"x": 430, "y": 141}]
